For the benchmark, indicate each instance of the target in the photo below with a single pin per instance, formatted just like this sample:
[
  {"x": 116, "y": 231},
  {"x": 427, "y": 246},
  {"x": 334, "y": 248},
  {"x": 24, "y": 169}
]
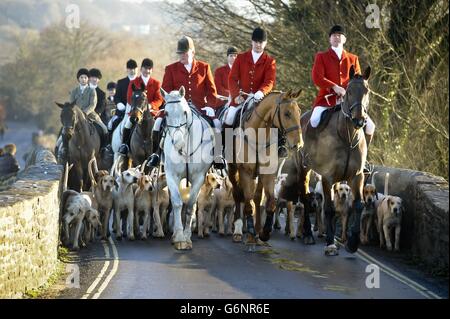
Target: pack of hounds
[{"x": 139, "y": 206}]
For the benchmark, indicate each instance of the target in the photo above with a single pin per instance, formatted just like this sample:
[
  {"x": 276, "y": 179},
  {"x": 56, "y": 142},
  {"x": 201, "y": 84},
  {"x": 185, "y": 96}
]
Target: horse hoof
[
  {"x": 309, "y": 240},
  {"x": 264, "y": 236},
  {"x": 200, "y": 236},
  {"x": 131, "y": 238},
  {"x": 331, "y": 250},
  {"x": 292, "y": 238},
  {"x": 237, "y": 238},
  {"x": 206, "y": 235},
  {"x": 352, "y": 244},
  {"x": 182, "y": 245}
]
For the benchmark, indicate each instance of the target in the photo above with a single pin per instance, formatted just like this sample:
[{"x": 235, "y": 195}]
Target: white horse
[
  {"x": 188, "y": 154},
  {"x": 116, "y": 139}
]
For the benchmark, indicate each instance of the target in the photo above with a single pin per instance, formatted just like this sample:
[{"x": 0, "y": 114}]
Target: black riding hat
[
  {"x": 131, "y": 64},
  {"x": 111, "y": 86},
  {"x": 232, "y": 50},
  {"x": 147, "y": 63},
  {"x": 337, "y": 29},
  {"x": 259, "y": 35},
  {"x": 82, "y": 71},
  {"x": 95, "y": 73}
]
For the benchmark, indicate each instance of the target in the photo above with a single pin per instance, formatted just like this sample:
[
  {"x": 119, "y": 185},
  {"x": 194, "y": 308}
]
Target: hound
[
  {"x": 223, "y": 206},
  {"x": 142, "y": 204},
  {"x": 372, "y": 200},
  {"x": 319, "y": 224},
  {"x": 280, "y": 203},
  {"x": 205, "y": 201},
  {"x": 123, "y": 199},
  {"x": 102, "y": 186},
  {"x": 160, "y": 201},
  {"x": 389, "y": 214},
  {"x": 342, "y": 200}
]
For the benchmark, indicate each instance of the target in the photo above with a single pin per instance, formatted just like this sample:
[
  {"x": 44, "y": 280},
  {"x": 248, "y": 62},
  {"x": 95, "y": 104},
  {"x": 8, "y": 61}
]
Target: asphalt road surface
[{"x": 218, "y": 268}]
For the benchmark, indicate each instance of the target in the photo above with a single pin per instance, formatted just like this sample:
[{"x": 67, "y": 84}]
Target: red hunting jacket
[
  {"x": 250, "y": 77},
  {"x": 221, "y": 80},
  {"x": 328, "y": 71},
  {"x": 199, "y": 83},
  {"x": 154, "y": 96}
]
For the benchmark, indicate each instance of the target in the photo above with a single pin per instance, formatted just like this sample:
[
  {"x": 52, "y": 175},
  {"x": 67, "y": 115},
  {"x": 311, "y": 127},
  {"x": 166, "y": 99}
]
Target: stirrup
[
  {"x": 123, "y": 149},
  {"x": 368, "y": 168}
]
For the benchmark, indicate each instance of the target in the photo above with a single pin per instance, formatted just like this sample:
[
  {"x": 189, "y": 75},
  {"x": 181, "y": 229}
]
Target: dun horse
[
  {"x": 337, "y": 151},
  {"x": 277, "y": 110}
]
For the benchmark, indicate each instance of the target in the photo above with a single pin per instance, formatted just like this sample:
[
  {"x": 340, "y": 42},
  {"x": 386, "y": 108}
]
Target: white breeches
[
  {"x": 369, "y": 129},
  {"x": 157, "y": 125},
  {"x": 231, "y": 114}
]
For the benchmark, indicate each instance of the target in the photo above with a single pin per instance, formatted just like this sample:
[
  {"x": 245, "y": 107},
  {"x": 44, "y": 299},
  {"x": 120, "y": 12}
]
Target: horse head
[
  {"x": 287, "y": 118},
  {"x": 178, "y": 116},
  {"x": 356, "y": 99},
  {"x": 68, "y": 119},
  {"x": 138, "y": 103}
]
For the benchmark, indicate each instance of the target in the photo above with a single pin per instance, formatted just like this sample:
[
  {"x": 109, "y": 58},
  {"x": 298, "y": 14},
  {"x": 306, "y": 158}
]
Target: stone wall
[
  {"x": 425, "y": 224},
  {"x": 29, "y": 227}
]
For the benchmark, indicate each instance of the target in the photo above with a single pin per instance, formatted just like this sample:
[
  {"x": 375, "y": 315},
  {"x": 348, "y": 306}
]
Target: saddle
[
  {"x": 203, "y": 115},
  {"x": 327, "y": 114},
  {"x": 248, "y": 107}
]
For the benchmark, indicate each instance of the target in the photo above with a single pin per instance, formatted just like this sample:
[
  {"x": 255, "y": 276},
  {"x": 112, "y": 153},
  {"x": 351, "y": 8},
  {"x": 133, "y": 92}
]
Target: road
[
  {"x": 219, "y": 268},
  {"x": 19, "y": 133}
]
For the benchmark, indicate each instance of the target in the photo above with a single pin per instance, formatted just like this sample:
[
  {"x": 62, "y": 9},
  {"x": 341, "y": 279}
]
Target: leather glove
[{"x": 339, "y": 90}]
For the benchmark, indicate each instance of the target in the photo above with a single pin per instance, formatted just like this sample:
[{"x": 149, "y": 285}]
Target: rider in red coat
[
  {"x": 222, "y": 73},
  {"x": 330, "y": 73},
  {"x": 154, "y": 98},
  {"x": 197, "y": 79}
]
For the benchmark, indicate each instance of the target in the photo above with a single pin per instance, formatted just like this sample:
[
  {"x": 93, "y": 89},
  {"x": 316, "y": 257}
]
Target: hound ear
[
  {"x": 59, "y": 104},
  {"x": 182, "y": 91},
  {"x": 376, "y": 194},
  {"x": 367, "y": 71},
  {"x": 163, "y": 93},
  {"x": 351, "y": 73}
]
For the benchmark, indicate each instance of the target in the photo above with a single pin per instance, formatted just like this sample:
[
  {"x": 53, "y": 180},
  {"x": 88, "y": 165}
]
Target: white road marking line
[
  {"x": 113, "y": 271},
  {"x": 394, "y": 274},
  {"x": 100, "y": 275},
  {"x": 400, "y": 277}
]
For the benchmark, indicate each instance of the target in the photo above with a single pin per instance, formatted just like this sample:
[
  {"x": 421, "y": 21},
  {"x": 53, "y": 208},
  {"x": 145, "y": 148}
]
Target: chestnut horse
[{"x": 277, "y": 112}]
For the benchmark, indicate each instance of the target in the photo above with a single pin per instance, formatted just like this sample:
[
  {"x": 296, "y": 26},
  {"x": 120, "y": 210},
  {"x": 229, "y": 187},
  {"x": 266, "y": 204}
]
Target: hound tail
[
  {"x": 386, "y": 183},
  {"x": 66, "y": 175}
]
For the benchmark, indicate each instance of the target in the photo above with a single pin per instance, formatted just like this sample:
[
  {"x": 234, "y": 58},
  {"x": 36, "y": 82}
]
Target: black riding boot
[
  {"x": 125, "y": 147},
  {"x": 153, "y": 160},
  {"x": 219, "y": 162},
  {"x": 282, "y": 150}
]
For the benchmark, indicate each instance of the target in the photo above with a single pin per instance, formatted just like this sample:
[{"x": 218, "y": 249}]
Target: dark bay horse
[
  {"x": 338, "y": 152},
  {"x": 279, "y": 111},
  {"x": 141, "y": 138},
  {"x": 81, "y": 140}
]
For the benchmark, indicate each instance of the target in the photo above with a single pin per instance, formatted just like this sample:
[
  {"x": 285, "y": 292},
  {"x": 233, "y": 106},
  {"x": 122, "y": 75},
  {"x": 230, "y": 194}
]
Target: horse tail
[{"x": 386, "y": 183}]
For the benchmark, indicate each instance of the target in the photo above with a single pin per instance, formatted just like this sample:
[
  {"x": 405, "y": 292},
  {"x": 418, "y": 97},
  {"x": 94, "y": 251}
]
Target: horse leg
[
  {"x": 248, "y": 186},
  {"x": 330, "y": 249},
  {"x": 269, "y": 183},
  {"x": 200, "y": 220},
  {"x": 191, "y": 207},
  {"x": 178, "y": 238},
  {"x": 238, "y": 199},
  {"x": 290, "y": 229},
  {"x": 357, "y": 189},
  {"x": 257, "y": 200}
]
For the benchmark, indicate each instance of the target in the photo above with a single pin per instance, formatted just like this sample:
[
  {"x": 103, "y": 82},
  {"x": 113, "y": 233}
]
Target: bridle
[{"x": 348, "y": 114}]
